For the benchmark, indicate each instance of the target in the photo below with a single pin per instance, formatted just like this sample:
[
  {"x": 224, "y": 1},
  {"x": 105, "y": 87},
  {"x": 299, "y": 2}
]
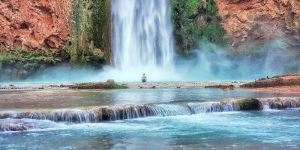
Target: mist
[
  {"x": 207, "y": 63},
  {"x": 212, "y": 63}
]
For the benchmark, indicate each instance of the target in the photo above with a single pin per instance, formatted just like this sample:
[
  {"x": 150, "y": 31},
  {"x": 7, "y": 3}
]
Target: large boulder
[{"x": 110, "y": 81}]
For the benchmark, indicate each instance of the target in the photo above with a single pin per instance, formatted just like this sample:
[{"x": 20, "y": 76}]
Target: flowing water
[
  {"x": 142, "y": 40},
  {"x": 180, "y": 119},
  {"x": 186, "y": 118},
  {"x": 142, "y": 33}
]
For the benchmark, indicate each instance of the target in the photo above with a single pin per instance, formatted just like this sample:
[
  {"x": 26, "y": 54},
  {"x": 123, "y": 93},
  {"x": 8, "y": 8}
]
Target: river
[{"x": 172, "y": 129}]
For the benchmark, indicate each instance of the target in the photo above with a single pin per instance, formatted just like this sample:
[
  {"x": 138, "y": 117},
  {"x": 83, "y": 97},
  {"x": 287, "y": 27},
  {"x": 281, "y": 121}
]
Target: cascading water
[
  {"x": 142, "y": 38},
  {"x": 99, "y": 114}
]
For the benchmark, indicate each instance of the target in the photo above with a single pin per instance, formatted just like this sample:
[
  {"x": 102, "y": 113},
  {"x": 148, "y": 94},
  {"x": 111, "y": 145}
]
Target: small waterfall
[
  {"x": 290, "y": 104},
  {"x": 75, "y": 115},
  {"x": 122, "y": 112},
  {"x": 169, "y": 110},
  {"x": 128, "y": 112},
  {"x": 142, "y": 37},
  {"x": 110, "y": 113},
  {"x": 266, "y": 106},
  {"x": 213, "y": 107}
]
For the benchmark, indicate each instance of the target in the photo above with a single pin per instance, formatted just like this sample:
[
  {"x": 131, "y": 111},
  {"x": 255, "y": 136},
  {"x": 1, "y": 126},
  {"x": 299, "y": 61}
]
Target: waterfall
[
  {"x": 266, "y": 106},
  {"x": 142, "y": 37}
]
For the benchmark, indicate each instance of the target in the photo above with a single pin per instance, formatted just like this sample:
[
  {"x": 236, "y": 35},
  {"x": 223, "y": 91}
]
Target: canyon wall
[
  {"x": 34, "y": 24},
  {"x": 38, "y": 34},
  {"x": 251, "y": 21},
  {"x": 247, "y": 24},
  {"x": 260, "y": 33}
]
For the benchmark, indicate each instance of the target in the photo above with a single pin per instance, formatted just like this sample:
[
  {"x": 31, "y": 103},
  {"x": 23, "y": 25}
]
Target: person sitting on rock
[{"x": 144, "y": 78}]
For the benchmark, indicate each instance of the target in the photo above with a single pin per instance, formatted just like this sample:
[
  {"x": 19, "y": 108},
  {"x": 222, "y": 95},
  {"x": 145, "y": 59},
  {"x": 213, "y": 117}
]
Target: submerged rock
[{"x": 18, "y": 125}]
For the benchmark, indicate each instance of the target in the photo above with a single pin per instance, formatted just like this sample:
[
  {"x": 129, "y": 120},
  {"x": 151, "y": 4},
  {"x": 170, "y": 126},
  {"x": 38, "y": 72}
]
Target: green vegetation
[
  {"x": 249, "y": 104},
  {"x": 278, "y": 81},
  {"x": 18, "y": 64},
  {"x": 222, "y": 87},
  {"x": 112, "y": 85},
  {"x": 86, "y": 42},
  {"x": 196, "y": 21},
  {"x": 106, "y": 85}
]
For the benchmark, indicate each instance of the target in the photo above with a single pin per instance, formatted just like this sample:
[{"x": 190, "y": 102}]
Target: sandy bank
[
  {"x": 283, "y": 89},
  {"x": 179, "y": 84},
  {"x": 64, "y": 86}
]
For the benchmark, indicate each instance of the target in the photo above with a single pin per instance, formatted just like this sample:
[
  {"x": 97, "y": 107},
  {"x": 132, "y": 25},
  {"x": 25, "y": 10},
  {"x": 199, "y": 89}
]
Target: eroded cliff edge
[
  {"x": 249, "y": 21},
  {"x": 35, "y": 35},
  {"x": 235, "y": 24},
  {"x": 34, "y": 24}
]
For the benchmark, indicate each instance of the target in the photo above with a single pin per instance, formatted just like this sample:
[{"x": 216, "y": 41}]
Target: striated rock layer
[
  {"x": 34, "y": 24},
  {"x": 249, "y": 20}
]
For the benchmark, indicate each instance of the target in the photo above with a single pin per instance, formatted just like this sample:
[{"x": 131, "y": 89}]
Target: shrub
[
  {"x": 194, "y": 21},
  {"x": 249, "y": 104}
]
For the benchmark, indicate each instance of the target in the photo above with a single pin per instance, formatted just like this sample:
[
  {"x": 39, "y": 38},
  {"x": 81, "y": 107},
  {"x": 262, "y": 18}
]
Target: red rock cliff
[
  {"x": 249, "y": 20},
  {"x": 34, "y": 24}
]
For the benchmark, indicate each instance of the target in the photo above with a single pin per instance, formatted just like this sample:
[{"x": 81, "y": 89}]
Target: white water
[
  {"x": 266, "y": 106},
  {"x": 230, "y": 130},
  {"x": 142, "y": 40}
]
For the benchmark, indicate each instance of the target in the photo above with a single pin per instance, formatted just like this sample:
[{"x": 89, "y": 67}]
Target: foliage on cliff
[
  {"x": 19, "y": 64},
  {"x": 77, "y": 31},
  {"x": 86, "y": 42},
  {"x": 195, "y": 21}
]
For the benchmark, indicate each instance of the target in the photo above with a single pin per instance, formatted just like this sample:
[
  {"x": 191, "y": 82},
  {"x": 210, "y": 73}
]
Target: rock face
[
  {"x": 249, "y": 20},
  {"x": 34, "y": 24},
  {"x": 38, "y": 34}
]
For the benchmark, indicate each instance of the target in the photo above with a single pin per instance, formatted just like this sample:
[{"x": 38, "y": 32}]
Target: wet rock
[
  {"x": 281, "y": 103},
  {"x": 3, "y": 116},
  {"x": 15, "y": 125}
]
